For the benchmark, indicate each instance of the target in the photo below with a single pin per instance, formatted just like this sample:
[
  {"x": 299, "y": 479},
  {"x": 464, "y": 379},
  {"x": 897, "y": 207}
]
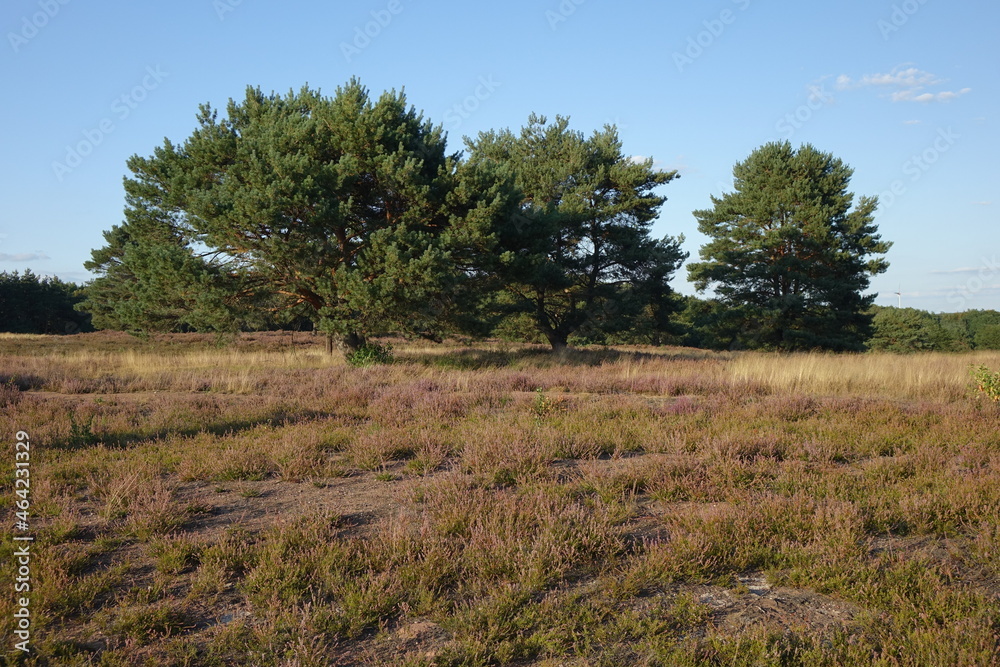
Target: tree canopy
[
  {"x": 576, "y": 255},
  {"x": 345, "y": 209},
  {"x": 348, "y": 212},
  {"x": 790, "y": 254}
]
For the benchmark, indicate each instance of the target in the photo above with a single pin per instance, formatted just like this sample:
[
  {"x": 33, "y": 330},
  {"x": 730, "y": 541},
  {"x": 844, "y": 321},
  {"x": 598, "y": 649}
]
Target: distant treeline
[
  {"x": 44, "y": 305},
  {"x": 912, "y": 330},
  {"x": 40, "y": 305},
  {"x": 709, "y": 324}
]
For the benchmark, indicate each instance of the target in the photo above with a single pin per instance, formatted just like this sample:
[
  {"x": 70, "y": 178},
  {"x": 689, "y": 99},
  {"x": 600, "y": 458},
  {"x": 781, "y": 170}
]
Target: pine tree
[
  {"x": 577, "y": 255},
  {"x": 789, "y": 253},
  {"x": 345, "y": 209},
  {"x": 150, "y": 279}
]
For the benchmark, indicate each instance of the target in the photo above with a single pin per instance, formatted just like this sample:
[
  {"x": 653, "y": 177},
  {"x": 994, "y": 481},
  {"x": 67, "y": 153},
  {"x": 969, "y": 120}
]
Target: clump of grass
[
  {"x": 249, "y": 465},
  {"x": 223, "y": 564},
  {"x": 144, "y": 622},
  {"x": 154, "y": 512},
  {"x": 610, "y": 484},
  {"x": 175, "y": 554},
  {"x": 430, "y": 455},
  {"x": 64, "y": 527},
  {"x": 70, "y": 581},
  {"x": 504, "y": 454},
  {"x": 10, "y": 394},
  {"x": 81, "y": 434}
]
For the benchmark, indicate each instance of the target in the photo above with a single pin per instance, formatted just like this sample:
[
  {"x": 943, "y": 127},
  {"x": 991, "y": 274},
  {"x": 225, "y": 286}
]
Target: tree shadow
[
  {"x": 532, "y": 357},
  {"x": 82, "y": 437}
]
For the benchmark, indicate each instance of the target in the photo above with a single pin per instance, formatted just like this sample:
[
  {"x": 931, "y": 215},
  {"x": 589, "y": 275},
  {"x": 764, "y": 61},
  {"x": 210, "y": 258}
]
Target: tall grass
[{"x": 935, "y": 376}]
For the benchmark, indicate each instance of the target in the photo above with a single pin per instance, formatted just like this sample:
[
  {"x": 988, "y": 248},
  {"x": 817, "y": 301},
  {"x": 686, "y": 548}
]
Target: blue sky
[{"x": 905, "y": 92}]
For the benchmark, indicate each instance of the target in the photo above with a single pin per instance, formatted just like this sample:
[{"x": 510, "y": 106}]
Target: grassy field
[{"x": 264, "y": 504}]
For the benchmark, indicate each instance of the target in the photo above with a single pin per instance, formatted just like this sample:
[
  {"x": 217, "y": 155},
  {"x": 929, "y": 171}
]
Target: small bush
[
  {"x": 370, "y": 354},
  {"x": 10, "y": 394},
  {"x": 987, "y": 383},
  {"x": 544, "y": 406},
  {"x": 23, "y": 382},
  {"x": 81, "y": 434}
]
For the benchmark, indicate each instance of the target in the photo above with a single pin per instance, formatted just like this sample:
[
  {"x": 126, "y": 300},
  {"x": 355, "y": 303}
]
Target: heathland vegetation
[
  {"x": 700, "y": 482},
  {"x": 269, "y": 504}
]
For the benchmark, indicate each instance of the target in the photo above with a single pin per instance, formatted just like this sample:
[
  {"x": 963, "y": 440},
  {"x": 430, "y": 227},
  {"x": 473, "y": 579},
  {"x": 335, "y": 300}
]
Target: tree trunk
[
  {"x": 557, "y": 340},
  {"x": 352, "y": 342}
]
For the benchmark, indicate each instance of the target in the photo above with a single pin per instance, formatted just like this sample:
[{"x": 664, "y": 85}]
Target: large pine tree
[
  {"x": 790, "y": 254},
  {"x": 577, "y": 254},
  {"x": 345, "y": 209}
]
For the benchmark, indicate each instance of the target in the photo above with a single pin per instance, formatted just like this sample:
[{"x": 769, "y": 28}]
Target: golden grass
[
  {"x": 20, "y": 337},
  {"x": 148, "y": 363},
  {"x": 237, "y": 369},
  {"x": 927, "y": 376}
]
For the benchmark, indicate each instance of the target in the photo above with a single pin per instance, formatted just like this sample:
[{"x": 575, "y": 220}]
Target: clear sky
[{"x": 904, "y": 91}]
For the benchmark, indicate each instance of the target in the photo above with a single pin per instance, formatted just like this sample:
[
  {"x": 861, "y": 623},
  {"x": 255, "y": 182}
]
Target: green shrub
[
  {"x": 987, "y": 383},
  {"x": 370, "y": 354}
]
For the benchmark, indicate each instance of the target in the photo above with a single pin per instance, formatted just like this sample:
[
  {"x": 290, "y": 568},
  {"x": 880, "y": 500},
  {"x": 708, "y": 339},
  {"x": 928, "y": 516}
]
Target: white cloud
[
  {"x": 904, "y": 83},
  {"x": 912, "y": 96},
  {"x": 983, "y": 203},
  {"x": 948, "y": 95},
  {"x": 967, "y": 269},
  {"x": 22, "y": 256},
  {"x": 912, "y": 122},
  {"x": 657, "y": 164},
  {"x": 901, "y": 78}
]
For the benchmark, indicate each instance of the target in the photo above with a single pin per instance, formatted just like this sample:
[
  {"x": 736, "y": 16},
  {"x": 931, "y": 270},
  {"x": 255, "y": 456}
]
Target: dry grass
[
  {"x": 265, "y": 504},
  {"x": 932, "y": 376}
]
